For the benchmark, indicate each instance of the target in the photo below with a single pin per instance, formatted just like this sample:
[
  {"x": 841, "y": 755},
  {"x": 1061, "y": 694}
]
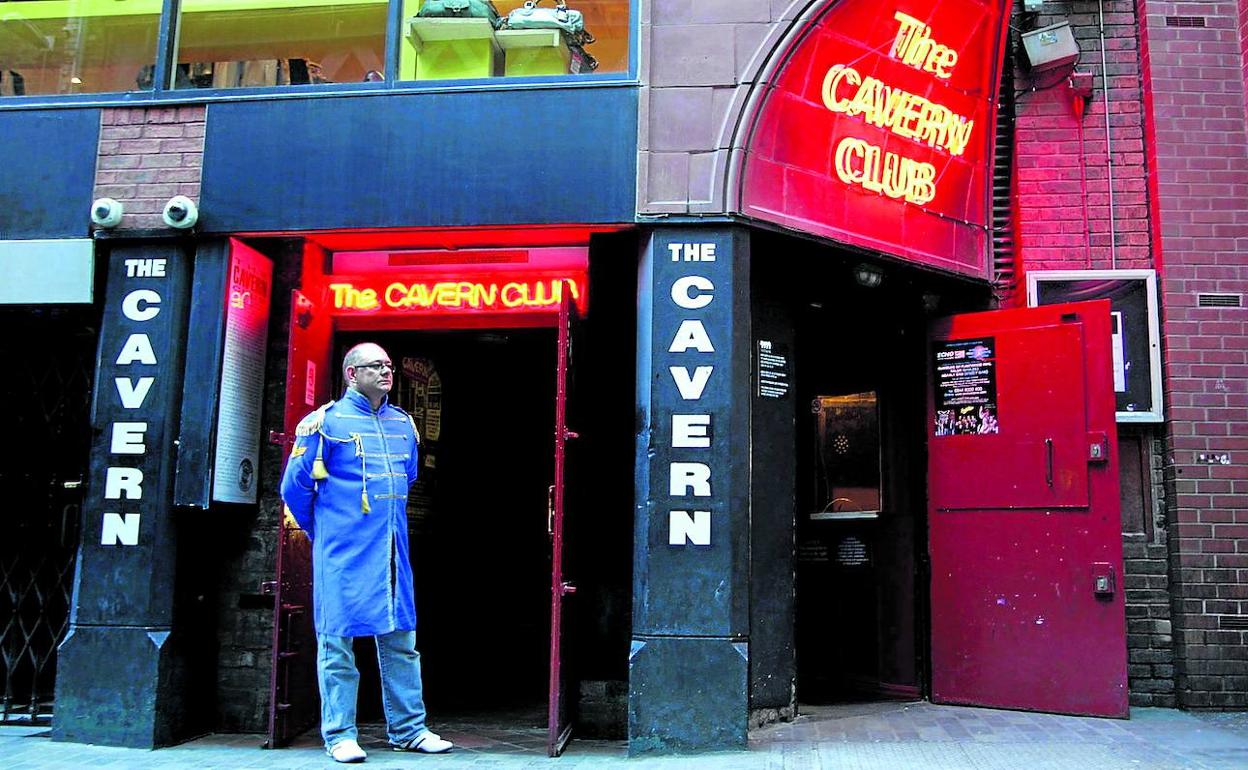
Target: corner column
[
  {"x": 117, "y": 679},
  {"x": 689, "y": 662}
]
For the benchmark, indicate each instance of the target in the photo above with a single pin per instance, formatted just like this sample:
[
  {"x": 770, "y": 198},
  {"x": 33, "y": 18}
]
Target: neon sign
[
  {"x": 873, "y": 132},
  {"x": 502, "y": 293},
  {"x": 903, "y": 113},
  {"x": 915, "y": 47}
]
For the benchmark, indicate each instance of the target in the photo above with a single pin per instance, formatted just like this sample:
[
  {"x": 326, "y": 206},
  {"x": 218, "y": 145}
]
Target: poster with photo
[{"x": 966, "y": 387}]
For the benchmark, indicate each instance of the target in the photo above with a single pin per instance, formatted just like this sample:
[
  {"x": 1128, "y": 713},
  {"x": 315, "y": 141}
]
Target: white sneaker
[
  {"x": 346, "y": 750},
  {"x": 427, "y": 742}
]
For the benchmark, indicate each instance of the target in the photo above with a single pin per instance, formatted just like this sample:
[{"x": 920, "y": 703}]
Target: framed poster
[
  {"x": 242, "y": 375},
  {"x": 1132, "y": 296}
]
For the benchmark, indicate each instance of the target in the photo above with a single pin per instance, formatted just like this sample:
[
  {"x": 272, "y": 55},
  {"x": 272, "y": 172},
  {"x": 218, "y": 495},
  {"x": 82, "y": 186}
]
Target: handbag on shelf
[
  {"x": 531, "y": 16},
  {"x": 461, "y": 9},
  {"x": 570, "y": 23}
]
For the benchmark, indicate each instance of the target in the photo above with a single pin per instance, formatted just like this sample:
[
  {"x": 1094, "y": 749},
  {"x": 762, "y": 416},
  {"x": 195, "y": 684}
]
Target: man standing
[{"x": 346, "y": 485}]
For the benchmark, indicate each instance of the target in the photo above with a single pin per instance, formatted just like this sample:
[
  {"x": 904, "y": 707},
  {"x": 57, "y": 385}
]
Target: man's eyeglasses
[{"x": 377, "y": 366}]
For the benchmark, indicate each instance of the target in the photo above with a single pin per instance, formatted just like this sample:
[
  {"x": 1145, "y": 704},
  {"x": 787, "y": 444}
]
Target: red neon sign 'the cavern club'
[
  {"x": 878, "y": 130},
  {"x": 460, "y": 287}
]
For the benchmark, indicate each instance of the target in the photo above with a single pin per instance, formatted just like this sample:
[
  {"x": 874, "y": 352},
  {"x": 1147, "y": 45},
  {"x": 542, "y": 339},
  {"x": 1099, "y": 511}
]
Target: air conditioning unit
[{"x": 1050, "y": 47}]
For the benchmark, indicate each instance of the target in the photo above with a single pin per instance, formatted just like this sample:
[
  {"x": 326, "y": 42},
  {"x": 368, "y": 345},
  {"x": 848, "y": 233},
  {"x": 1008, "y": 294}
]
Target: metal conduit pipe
[{"x": 1109, "y": 155}]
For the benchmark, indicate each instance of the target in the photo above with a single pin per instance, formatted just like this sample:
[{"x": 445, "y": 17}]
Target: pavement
[{"x": 869, "y": 736}]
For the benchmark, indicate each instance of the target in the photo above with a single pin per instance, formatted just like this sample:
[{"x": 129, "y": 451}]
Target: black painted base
[
  {"x": 115, "y": 686},
  {"x": 687, "y": 694}
]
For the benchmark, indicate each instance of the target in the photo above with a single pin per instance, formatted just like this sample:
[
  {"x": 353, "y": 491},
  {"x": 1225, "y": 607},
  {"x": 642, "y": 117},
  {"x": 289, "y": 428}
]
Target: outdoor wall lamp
[{"x": 868, "y": 276}]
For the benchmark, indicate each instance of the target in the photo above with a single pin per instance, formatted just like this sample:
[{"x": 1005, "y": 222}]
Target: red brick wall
[
  {"x": 1059, "y": 226},
  {"x": 1064, "y": 223},
  {"x": 147, "y": 156},
  {"x": 1196, "y": 77}
]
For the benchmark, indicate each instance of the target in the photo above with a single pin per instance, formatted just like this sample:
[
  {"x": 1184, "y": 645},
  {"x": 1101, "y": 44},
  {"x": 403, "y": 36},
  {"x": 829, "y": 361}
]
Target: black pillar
[
  {"x": 689, "y": 663},
  {"x": 118, "y": 676}
]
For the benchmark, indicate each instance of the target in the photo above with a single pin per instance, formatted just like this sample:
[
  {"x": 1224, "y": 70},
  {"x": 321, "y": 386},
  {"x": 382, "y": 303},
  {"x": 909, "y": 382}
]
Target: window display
[
  {"x": 78, "y": 46},
  {"x": 53, "y": 47}
]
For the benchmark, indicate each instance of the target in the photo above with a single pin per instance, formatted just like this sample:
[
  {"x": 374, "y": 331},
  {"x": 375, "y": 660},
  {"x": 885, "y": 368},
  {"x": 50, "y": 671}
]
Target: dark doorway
[
  {"x": 860, "y": 492},
  {"x": 41, "y": 471},
  {"x": 483, "y": 401}
]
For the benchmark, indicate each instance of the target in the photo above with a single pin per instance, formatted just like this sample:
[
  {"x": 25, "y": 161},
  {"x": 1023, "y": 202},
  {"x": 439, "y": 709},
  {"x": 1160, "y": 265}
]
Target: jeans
[{"x": 402, "y": 695}]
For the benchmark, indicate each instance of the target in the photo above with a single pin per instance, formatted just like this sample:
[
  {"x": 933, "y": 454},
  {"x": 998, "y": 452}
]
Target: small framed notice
[{"x": 1136, "y": 344}]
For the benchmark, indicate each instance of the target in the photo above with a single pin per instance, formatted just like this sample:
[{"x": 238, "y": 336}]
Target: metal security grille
[{"x": 49, "y": 356}]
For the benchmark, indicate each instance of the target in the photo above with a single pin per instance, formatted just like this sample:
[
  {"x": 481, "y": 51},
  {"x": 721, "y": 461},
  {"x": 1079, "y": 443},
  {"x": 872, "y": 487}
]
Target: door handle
[
  {"x": 550, "y": 509},
  {"x": 567, "y": 587},
  {"x": 1048, "y": 460}
]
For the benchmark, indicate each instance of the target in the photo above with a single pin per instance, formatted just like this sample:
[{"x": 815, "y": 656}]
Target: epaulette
[
  {"x": 410, "y": 419},
  {"x": 313, "y": 422}
]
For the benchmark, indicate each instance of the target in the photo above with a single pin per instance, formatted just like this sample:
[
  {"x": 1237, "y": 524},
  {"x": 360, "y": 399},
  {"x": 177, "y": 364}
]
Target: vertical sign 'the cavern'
[
  {"x": 690, "y": 617},
  {"x": 115, "y": 656}
]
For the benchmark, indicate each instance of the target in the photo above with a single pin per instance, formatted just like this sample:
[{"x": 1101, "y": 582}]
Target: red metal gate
[
  {"x": 294, "y": 702},
  {"x": 560, "y": 725},
  {"x": 1025, "y": 536}
]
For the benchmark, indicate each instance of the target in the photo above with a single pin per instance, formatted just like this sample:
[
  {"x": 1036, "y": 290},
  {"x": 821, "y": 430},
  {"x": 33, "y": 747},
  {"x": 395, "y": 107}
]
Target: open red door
[
  {"x": 294, "y": 703},
  {"x": 1024, "y": 531},
  {"x": 560, "y": 725}
]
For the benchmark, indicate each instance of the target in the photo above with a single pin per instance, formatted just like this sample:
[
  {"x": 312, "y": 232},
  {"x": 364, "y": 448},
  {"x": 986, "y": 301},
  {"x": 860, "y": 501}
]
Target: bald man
[{"x": 346, "y": 485}]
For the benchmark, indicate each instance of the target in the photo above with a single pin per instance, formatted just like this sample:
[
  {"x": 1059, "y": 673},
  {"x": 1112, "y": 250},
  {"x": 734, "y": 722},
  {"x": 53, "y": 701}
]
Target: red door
[
  {"x": 294, "y": 703},
  {"x": 1024, "y": 532},
  {"x": 560, "y": 726}
]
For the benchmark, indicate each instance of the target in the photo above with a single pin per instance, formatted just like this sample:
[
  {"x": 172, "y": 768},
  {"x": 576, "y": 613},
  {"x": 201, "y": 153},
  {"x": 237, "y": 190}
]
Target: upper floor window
[
  {"x": 245, "y": 43},
  {"x": 104, "y": 46},
  {"x": 77, "y": 46}
]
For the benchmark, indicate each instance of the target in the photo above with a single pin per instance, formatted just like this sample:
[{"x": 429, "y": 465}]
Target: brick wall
[
  {"x": 1195, "y": 74},
  {"x": 147, "y": 156},
  {"x": 1063, "y": 210},
  {"x": 1146, "y": 584},
  {"x": 1061, "y": 154}
]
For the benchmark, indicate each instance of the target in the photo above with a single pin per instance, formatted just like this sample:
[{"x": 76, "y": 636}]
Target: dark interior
[
  {"x": 860, "y": 584},
  {"x": 477, "y": 520}
]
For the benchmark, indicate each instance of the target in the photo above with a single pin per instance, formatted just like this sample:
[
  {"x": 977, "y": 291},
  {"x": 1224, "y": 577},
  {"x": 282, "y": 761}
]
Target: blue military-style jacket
[{"x": 346, "y": 484}]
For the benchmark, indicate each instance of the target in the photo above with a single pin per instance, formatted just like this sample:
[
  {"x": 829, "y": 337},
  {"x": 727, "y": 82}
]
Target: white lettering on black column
[
  {"x": 691, "y": 430},
  {"x": 128, "y": 437}
]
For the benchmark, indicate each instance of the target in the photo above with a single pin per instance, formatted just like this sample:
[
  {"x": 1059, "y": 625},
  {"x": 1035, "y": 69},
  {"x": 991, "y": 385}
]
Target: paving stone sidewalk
[{"x": 875, "y": 736}]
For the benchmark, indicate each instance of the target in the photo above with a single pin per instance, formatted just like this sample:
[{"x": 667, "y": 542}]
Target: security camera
[
  {"x": 181, "y": 212},
  {"x": 106, "y": 212}
]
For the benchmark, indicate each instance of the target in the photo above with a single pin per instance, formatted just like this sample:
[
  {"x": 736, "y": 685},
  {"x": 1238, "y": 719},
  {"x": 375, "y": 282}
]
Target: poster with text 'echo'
[{"x": 966, "y": 387}]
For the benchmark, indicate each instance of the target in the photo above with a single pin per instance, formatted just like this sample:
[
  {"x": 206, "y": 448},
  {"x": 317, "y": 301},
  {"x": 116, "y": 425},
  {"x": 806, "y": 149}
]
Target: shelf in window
[
  {"x": 529, "y": 38},
  {"x": 422, "y": 30}
]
